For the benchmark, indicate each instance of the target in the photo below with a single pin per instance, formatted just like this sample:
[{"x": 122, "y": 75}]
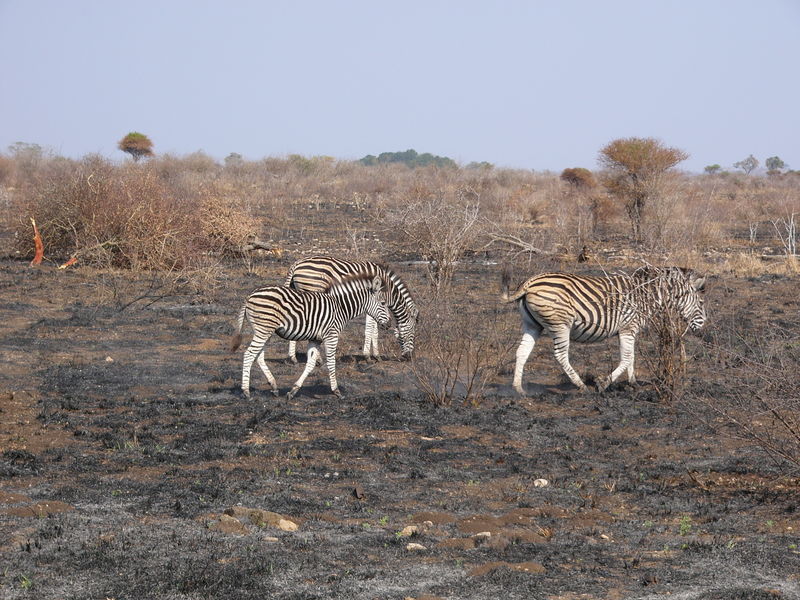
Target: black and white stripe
[
  {"x": 314, "y": 316},
  {"x": 589, "y": 309},
  {"x": 316, "y": 273}
]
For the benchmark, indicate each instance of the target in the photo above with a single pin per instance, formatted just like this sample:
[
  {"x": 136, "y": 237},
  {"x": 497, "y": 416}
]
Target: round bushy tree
[
  {"x": 579, "y": 177},
  {"x": 635, "y": 169},
  {"x": 137, "y": 145}
]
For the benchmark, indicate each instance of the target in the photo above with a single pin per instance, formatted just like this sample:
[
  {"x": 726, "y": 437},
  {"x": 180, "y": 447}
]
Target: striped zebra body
[
  {"x": 316, "y": 273},
  {"x": 590, "y": 309},
  {"x": 317, "y": 317}
]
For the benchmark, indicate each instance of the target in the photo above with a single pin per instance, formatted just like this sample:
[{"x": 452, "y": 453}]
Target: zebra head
[
  {"x": 692, "y": 305},
  {"x": 377, "y": 306},
  {"x": 406, "y": 328}
]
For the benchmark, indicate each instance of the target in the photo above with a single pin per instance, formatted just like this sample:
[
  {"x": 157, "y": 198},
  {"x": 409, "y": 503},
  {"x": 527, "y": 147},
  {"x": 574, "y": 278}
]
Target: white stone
[{"x": 286, "y": 525}]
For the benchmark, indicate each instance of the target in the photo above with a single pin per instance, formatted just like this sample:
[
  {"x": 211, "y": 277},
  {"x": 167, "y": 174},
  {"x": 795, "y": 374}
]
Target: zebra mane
[
  {"x": 350, "y": 282},
  {"x": 649, "y": 272}
]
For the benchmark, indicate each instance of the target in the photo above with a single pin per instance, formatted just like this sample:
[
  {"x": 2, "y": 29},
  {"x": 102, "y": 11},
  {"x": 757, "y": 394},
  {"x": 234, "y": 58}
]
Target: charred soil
[{"x": 131, "y": 466}]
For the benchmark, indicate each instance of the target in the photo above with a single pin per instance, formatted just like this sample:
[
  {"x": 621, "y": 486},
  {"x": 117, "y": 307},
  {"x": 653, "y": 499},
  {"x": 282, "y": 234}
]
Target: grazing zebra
[
  {"x": 313, "y": 316},
  {"x": 315, "y": 273},
  {"x": 589, "y": 309}
]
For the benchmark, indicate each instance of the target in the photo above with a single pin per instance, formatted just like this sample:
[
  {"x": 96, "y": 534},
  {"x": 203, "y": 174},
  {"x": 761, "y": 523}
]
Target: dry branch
[{"x": 518, "y": 242}]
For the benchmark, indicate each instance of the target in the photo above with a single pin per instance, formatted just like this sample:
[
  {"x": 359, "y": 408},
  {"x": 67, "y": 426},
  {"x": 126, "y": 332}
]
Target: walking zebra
[
  {"x": 313, "y": 316},
  {"x": 589, "y": 309},
  {"x": 316, "y": 273}
]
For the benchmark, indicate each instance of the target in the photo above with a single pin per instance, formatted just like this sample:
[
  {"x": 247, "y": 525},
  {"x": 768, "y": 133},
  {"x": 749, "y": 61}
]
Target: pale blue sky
[{"x": 536, "y": 84}]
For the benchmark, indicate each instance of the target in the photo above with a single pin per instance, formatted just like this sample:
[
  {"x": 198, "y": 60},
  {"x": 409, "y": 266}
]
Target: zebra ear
[
  {"x": 699, "y": 283},
  {"x": 377, "y": 284}
]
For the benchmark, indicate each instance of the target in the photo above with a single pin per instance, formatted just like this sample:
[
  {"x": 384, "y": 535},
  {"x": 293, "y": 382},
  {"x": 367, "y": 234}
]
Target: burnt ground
[{"x": 124, "y": 441}]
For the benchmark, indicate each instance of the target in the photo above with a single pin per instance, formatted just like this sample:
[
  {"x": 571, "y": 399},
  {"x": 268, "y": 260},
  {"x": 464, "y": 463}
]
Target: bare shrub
[
  {"x": 126, "y": 217},
  {"x": 440, "y": 228},
  {"x": 455, "y": 357},
  {"x": 664, "y": 353},
  {"x": 761, "y": 401}
]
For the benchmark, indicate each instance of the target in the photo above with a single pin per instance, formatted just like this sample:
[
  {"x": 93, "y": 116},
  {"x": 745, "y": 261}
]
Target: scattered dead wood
[
  {"x": 257, "y": 244},
  {"x": 518, "y": 242}
]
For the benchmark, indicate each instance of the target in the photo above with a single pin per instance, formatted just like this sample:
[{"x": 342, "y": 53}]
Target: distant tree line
[
  {"x": 774, "y": 164},
  {"x": 410, "y": 158}
]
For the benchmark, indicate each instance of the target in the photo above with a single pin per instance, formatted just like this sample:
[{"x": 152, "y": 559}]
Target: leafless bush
[
  {"x": 441, "y": 229},
  {"x": 760, "y": 400},
  {"x": 663, "y": 352},
  {"x": 455, "y": 356},
  {"x": 128, "y": 217}
]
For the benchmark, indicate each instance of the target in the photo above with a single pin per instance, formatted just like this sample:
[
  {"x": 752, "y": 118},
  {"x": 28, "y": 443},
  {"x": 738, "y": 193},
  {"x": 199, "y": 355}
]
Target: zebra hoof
[
  {"x": 275, "y": 392},
  {"x": 246, "y": 394},
  {"x": 292, "y": 393},
  {"x": 338, "y": 394}
]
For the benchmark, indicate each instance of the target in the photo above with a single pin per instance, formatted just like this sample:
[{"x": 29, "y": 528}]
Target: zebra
[
  {"x": 313, "y": 316},
  {"x": 315, "y": 273},
  {"x": 589, "y": 309}
]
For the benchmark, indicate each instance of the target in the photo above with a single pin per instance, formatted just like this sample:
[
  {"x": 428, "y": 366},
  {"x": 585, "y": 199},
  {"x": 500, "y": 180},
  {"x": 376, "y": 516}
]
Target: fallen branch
[
  {"x": 259, "y": 245},
  {"x": 513, "y": 240},
  {"x": 74, "y": 258},
  {"x": 768, "y": 257}
]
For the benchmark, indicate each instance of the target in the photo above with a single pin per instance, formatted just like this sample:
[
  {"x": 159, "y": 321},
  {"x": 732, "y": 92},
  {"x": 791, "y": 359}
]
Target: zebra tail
[
  {"x": 236, "y": 340},
  {"x": 505, "y": 283}
]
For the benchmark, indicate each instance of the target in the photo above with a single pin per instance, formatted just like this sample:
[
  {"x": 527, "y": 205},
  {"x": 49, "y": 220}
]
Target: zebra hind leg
[
  {"x": 329, "y": 346},
  {"x": 255, "y": 351},
  {"x": 267, "y": 373},
  {"x": 529, "y": 337},
  {"x": 561, "y": 351},
  {"x": 293, "y": 352},
  {"x": 626, "y": 356},
  {"x": 311, "y": 361}
]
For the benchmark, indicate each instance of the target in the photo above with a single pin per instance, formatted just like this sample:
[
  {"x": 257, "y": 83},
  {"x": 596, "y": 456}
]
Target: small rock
[
  {"x": 482, "y": 535},
  {"x": 412, "y": 547},
  {"x": 228, "y": 524},
  {"x": 286, "y": 525},
  {"x": 109, "y": 359},
  {"x": 409, "y": 531},
  {"x": 540, "y": 483}
]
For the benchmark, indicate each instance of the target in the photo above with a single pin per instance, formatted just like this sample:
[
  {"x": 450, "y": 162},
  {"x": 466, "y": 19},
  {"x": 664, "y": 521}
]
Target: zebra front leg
[
  {"x": 561, "y": 351},
  {"x": 311, "y": 361},
  {"x": 529, "y": 337},
  {"x": 370, "y": 349},
  {"x": 627, "y": 342}
]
